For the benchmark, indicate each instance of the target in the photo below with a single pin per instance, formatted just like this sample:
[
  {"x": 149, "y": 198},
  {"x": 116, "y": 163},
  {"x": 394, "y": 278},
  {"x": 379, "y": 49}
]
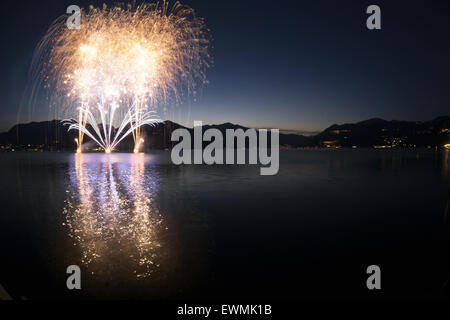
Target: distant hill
[
  {"x": 379, "y": 132},
  {"x": 53, "y": 135}
]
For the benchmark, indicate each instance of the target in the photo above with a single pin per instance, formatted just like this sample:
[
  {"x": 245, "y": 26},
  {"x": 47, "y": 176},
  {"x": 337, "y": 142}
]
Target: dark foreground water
[{"x": 139, "y": 227}]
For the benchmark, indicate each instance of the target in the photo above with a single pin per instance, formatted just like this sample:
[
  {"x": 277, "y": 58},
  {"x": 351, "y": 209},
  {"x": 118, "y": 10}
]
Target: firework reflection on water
[{"x": 112, "y": 216}]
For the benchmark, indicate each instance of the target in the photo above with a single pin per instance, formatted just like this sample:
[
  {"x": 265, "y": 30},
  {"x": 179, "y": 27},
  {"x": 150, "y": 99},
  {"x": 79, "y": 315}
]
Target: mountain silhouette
[{"x": 53, "y": 135}]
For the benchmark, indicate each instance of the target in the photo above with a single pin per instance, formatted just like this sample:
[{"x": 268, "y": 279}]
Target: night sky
[{"x": 300, "y": 65}]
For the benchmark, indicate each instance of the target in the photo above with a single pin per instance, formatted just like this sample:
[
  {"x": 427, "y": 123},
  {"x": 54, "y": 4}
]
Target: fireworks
[{"x": 112, "y": 74}]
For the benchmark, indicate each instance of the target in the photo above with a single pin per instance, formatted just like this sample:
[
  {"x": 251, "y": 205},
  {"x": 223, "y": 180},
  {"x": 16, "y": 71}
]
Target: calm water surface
[{"x": 140, "y": 227}]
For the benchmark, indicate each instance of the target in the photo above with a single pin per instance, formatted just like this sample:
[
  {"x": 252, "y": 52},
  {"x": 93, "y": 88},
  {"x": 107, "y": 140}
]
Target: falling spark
[{"x": 112, "y": 73}]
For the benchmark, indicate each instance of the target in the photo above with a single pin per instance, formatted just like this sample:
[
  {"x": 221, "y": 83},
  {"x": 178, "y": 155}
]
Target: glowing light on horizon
[{"x": 136, "y": 148}]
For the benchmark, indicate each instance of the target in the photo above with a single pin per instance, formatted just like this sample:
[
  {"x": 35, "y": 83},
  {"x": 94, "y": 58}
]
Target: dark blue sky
[{"x": 300, "y": 65}]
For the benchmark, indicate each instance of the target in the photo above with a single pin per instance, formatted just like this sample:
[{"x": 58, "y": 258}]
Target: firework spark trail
[{"x": 123, "y": 63}]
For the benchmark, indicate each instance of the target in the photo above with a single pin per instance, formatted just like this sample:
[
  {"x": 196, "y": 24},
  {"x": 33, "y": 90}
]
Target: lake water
[{"x": 140, "y": 227}]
